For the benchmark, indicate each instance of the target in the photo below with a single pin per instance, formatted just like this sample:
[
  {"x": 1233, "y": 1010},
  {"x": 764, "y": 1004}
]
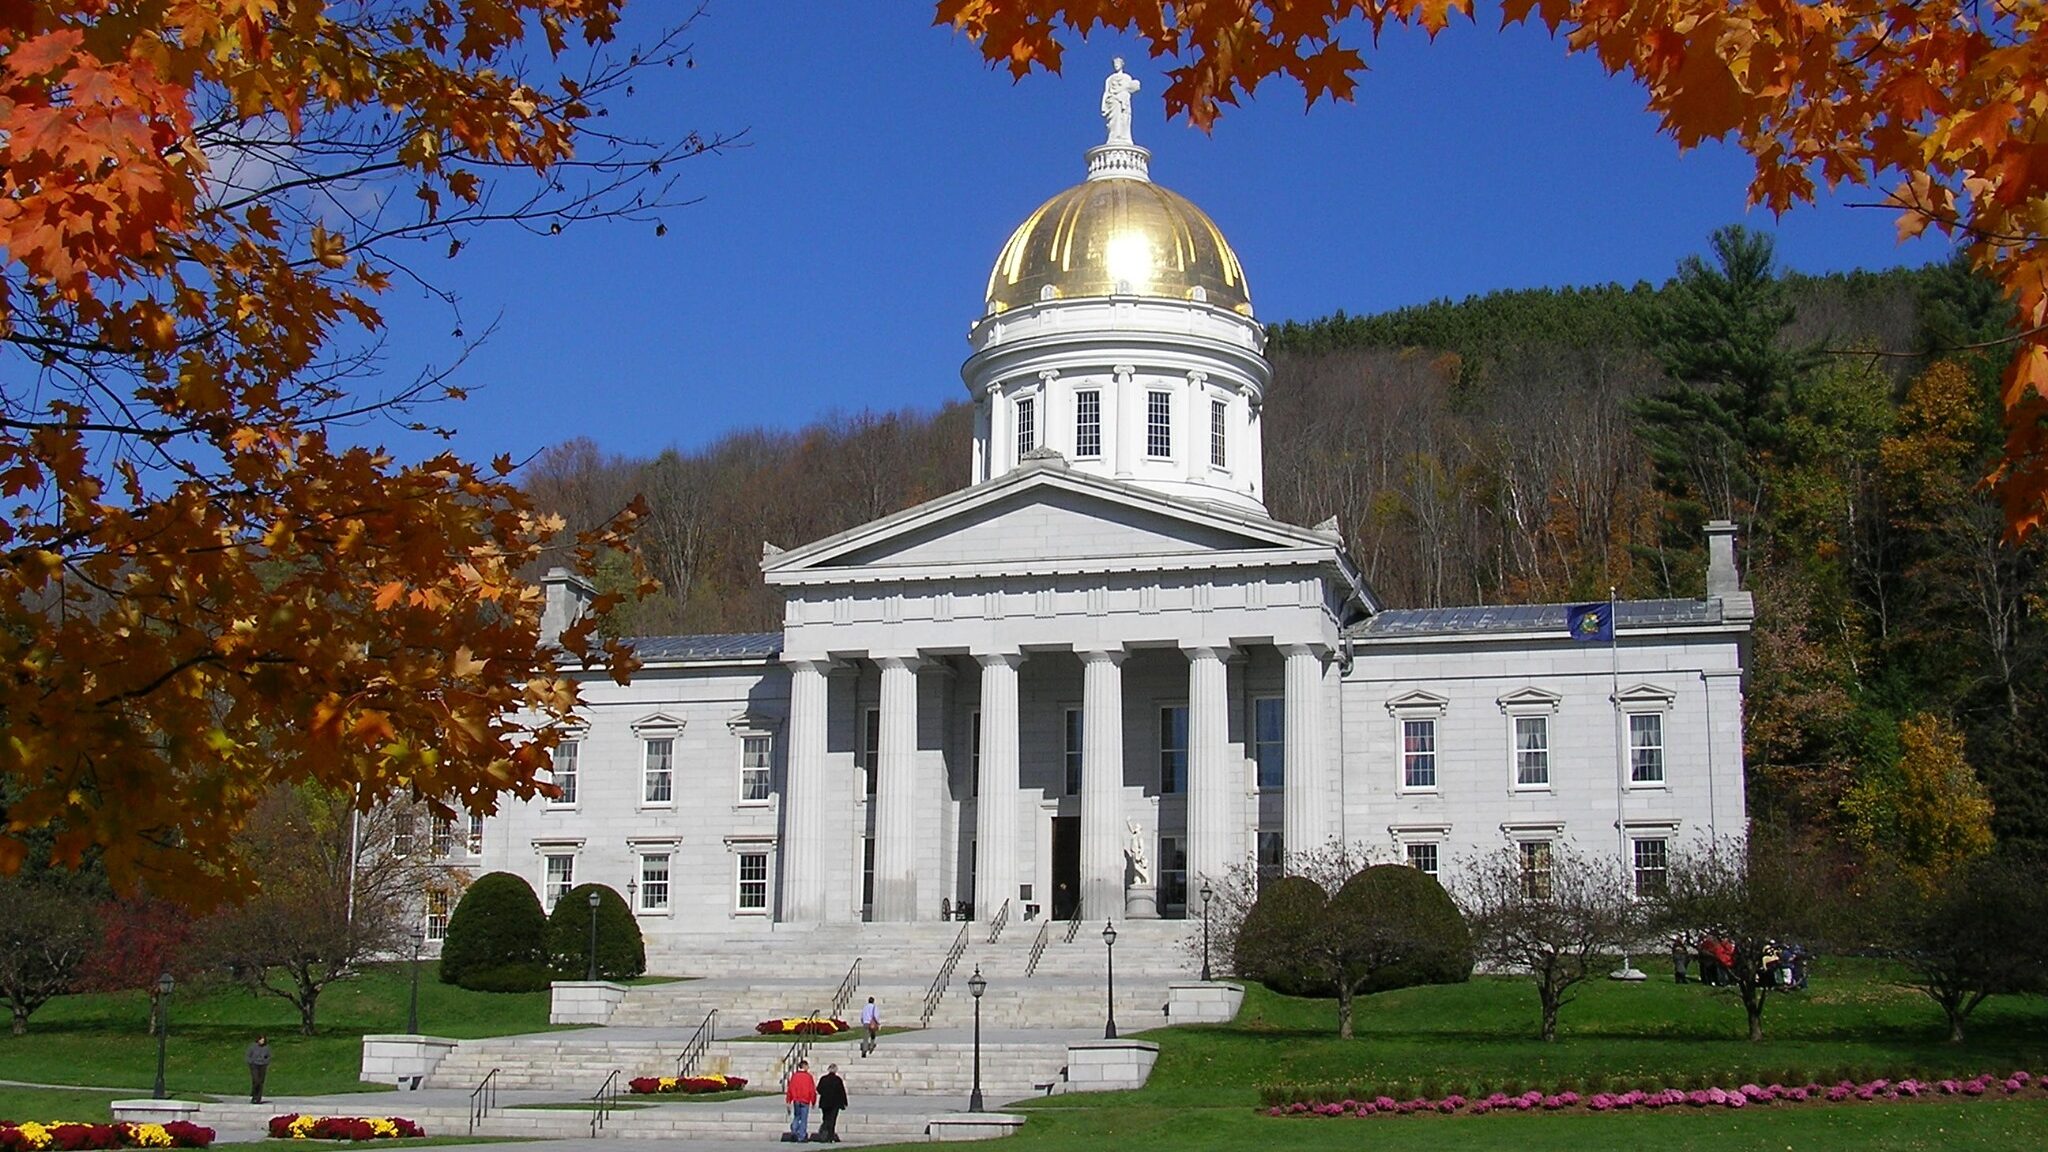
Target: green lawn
[
  {"x": 102, "y": 1040},
  {"x": 1204, "y": 1091},
  {"x": 47, "y": 1104}
]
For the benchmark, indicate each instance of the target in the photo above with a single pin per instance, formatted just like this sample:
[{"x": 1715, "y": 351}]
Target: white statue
[
  {"x": 1116, "y": 103},
  {"x": 1141, "y": 872}
]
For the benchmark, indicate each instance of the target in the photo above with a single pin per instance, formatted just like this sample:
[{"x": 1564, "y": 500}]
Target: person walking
[
  {"x": 801, "y": 1093},
  {"x": 1681, "y": 955},
  {"x": 871, "y": 1020},
  {"x": 831, "y": 1101},
  {"x": 258, "y": 1057}
]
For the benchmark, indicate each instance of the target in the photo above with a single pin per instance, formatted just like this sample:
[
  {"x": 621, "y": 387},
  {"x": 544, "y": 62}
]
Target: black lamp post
[
  {"x": 976, "y": 986},
  {"x": 595, "y": 900},
  {"x": 163, "y": 1031},
  {"x": 1109, "y": 951},
  {"x": 633, "y": 896},
  {"x": 1207, "y": 892},
  {"x": 412, "y": 1008}
]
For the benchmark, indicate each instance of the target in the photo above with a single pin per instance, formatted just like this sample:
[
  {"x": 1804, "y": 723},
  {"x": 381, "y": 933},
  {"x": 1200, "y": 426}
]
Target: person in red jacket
[{"x": 801, "y": 1093}]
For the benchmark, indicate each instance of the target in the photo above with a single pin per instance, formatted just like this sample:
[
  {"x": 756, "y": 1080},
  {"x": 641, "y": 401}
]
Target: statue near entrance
[
  {"x": 1116, "y": 103},
  {"x": 1141, "y": 902}
]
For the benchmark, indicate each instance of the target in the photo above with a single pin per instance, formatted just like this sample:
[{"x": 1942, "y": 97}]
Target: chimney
[
  {"x": 567, "y": 597},
  {"x": 1724, "y": 583}
]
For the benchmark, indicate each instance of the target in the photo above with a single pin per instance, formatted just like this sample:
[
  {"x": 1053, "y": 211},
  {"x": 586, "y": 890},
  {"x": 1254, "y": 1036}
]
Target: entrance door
[{"x": 1066, "y": 866}]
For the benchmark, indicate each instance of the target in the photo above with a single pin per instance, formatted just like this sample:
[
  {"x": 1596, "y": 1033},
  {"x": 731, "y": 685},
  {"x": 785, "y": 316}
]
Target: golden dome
[{"x": 1118, "y": 237}]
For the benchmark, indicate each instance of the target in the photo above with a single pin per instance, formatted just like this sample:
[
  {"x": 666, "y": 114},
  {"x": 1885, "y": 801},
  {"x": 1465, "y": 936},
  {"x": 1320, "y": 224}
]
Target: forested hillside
[{"x": 1544, "y": 445}]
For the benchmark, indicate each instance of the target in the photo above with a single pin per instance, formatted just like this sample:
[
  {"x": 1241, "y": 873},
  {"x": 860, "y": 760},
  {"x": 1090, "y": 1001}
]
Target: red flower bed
[
  {"x": 297, "y": 1126},
  {"x": 801, "y": 1026},
  {"x": 67, "y": 1137},
  {"x": 686, "y": 1085}
]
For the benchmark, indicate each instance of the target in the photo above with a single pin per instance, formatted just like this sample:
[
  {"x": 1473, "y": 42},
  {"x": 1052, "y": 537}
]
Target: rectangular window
[
  {"x": 1418, "y": 753},
  {"x": 753, "y": 889},
  {"x": 974, "y": 753},
  {"x": 1159, "y": 425},
  {"x": 402, "y": 835},
  {"x": 1646, "y": 748},
  {"x": 1087, "y": 425},
  {"x": 1027, "y": 426},
  {"x": 756, "y": 753},
  {"x": 561, "y": 877},
  {"x": 1173, "y": 873},
  {"x": 1173, "y": 750},
  {"x": 654, "y": 882},
  {"x": 1422, "y": 857},
  {"x": 871, "y": 748},
  {"x": 564, "y": 773},
  {"x": 1272, "y": 857},
  {"x": 1653, "y": 866},
  {"x": 437, "y": 914},
  {"x": 444, "y": 838},
  {"x": 661, "y": 771},
  {"x": 1219, "y": 434},
  {"x": 867, "y": 874},
  {"x": 1269, "y": 740},
  {"x": 1073, "y": 751},
  {"x": 476, "y": 834},
  {"x": 1536, "y": 869},
  {"x": 1532, "y": 751}
]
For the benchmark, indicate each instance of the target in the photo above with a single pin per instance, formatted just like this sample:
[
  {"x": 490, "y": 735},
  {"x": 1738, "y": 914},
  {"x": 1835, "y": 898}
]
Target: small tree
[
  {"x": 621, "y": 955},
  {"x": 1979, "y": 932},
  {"x": 140, "y": 938},
  {"x": 1753, "y": 894},
  {"x": 46, "y": 932},
  {"x": 1558, "y": 933},
  {"x": 497, "y": 936},
  {"x": 1240, "y": 889},
  {"x": 1265, "y": 945}
]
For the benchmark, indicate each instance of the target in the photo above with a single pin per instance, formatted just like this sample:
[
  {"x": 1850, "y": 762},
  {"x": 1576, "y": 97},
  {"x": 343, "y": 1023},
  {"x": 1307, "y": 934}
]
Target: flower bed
[
  {"x": 298, "y": 1126},
  {"x": 801, "y": 1026},
  {"x": 1748, "y": 1095},
  {"x": 686, "y": 1085},
  {"x": 66, "y": 1136}
]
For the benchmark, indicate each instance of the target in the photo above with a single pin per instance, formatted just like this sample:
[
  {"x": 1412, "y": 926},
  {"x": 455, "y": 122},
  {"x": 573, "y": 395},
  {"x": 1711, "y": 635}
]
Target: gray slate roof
[
  {"x": 1395, "y": 623},
  {"x": 733, "y": 646}
]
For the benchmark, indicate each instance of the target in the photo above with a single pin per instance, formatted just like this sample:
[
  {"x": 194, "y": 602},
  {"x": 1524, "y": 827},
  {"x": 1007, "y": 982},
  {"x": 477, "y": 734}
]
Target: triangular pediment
[{"x": 1046, "y": 516}]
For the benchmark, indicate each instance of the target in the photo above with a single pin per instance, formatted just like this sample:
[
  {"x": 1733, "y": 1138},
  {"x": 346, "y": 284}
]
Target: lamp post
[
  {"x": 976, "y": 986},
  {"x": 595, "y": 900},
  {"x": 1109, "y": 951},
  {"x": 633, "y": 896},
  {"x": 163, "y": 1031},
  {"x": 412, "y": 1008},
  {"x": 1207, "y": 892}
]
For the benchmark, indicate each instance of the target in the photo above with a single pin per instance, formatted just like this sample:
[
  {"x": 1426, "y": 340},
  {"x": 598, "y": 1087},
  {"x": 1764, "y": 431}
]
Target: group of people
[
  {"x": 826, "y": 1093},
  {"x": 1784, "y": 965}
]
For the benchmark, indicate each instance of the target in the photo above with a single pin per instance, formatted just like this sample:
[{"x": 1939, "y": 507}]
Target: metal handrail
[
  {"x": 604, "y": 1100},
  {"x": 798, "y": 1051},
  {"x": 1037, "y": 948},
  {"x": 995, "y": 926},
  {"x": 937, "y": 991},
  {"x": 698, "y": 1044},
  {"x": 1074, "y": 923},
  {"x": 847, "y": 988},
  {"x": 482, "y": 1099}
]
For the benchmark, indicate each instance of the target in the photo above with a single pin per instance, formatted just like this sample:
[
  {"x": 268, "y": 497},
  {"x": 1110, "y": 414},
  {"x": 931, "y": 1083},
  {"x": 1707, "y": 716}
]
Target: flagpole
[{"x": 1628, "y": 970}]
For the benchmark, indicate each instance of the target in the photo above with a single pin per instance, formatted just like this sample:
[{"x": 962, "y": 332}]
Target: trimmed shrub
[
  {"x": 1408, "y": 905},
  {"x": 498, "y": 925},
  {"x": 1268, "y": 948},
  {"x": 509, "y": 978},
  {"x": 621, "y": 955}
]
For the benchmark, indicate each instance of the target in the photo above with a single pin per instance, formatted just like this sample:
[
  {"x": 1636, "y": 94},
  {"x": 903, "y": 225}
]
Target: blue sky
[{"x": 835, "y": 261}]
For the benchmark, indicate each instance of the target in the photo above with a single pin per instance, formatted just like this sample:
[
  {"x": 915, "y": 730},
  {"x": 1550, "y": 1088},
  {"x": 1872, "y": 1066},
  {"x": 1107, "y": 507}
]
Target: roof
[
  {"x": 732, "y": 646},
  {"x": 1630, "y": 615}
]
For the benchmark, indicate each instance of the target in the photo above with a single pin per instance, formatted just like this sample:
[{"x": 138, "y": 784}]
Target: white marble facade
[{"x": 1101, "y": 672}]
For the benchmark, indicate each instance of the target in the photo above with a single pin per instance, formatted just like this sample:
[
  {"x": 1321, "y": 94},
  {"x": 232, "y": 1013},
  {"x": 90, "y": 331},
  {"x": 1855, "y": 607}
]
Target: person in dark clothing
[
  {"x": 259, "y": 1067},
  {"x": 1681, "y": 955},
  {"x": 831, "y": 1099}
]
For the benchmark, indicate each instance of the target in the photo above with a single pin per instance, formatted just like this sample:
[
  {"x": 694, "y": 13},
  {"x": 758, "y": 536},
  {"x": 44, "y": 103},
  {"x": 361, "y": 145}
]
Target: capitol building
[{"x": 1102, "y": 673}]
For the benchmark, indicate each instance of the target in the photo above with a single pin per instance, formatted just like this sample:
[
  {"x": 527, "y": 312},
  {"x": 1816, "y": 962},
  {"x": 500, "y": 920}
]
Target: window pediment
[
  {"x": 1418, "y": 703},
  {"x": 1529, "y": 702},
  {"x": 657, "y": 724},
  {"x": 754, "y": 720},
  {"x": 1645, "y": 698}
]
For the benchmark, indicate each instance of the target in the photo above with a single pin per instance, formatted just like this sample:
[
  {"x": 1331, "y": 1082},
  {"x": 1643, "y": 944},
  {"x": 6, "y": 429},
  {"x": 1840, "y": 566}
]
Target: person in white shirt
[{"x": 870, "y": 1019}]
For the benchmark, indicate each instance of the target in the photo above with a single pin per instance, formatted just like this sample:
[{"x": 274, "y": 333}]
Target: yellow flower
[
  {"x": 303, "y": 1127},
  {"x": 379, "y": 1126},
  {"x": 149, "y": 1136},
  {"x": 34, "y": 1134}
]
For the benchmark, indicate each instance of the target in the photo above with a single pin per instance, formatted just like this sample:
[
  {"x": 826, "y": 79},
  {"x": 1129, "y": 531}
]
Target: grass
[
  {"x": 1204, "y": 1090},
  {"x": 102, "y": 1040},
  {"x": 46, "y": 1104}
]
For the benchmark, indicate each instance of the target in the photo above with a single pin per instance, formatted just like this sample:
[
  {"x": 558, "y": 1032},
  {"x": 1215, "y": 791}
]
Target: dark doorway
[{"x": 1066, "y": 866}]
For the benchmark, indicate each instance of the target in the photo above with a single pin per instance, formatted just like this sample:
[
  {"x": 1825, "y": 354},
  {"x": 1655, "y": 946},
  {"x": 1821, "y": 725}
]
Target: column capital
[
  {"x": 1319, "y": 651},
  {"x": 910, "y": 662},
  {"x": 823, "y": 665},
  {"x": 992, "y": 659},
  {"x": 1209, "y": 651},
  {"x": 1048, "y": 375},
  {"x": 1103, "y": 655}
]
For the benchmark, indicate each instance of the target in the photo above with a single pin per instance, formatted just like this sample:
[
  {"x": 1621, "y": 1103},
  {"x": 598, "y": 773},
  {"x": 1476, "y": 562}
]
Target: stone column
[
  {"x": 1210, "y": 783},
  {"x": 803, "y": 796},
  {"x": 1102, "y": 784},
  {"x": 896, "y": 793},
  {"x": 995, "y": 805},
  {"x": 1303, "y": 826}
]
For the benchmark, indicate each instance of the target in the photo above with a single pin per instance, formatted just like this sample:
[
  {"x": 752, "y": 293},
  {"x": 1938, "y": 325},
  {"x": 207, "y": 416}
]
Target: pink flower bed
[{"x": 1746, "y": 1096}]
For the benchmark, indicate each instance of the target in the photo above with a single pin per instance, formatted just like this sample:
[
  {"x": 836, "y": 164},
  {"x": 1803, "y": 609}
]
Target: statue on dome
[{"x": 1116, "y": 103}]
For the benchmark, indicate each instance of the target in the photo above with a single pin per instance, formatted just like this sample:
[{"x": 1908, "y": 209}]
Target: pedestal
[{"x": 1141, "y": 904}]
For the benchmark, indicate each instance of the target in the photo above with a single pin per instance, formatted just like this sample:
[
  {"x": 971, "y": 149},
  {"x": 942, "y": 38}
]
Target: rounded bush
[
  {"x": 498, "y": 924},
  {"x": 621, "y": 954},
  {"x": 1268, "y": 949},
  {"x": 509, "y": 978},
  {"x": 1408, "y": 905}
]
